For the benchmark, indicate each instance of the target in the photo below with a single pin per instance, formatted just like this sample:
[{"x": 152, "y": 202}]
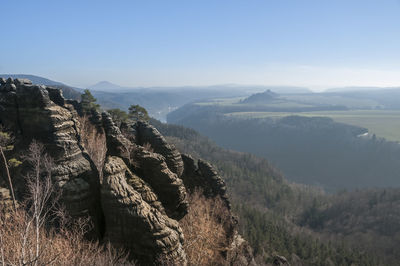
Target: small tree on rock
[
  {"x": 137, "y": 112},
  {"x": 118, "y": 116},
  {"x": 88, "y": 102}
]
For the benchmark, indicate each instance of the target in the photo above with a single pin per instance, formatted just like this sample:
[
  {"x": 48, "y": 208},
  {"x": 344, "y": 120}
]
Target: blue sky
[{"x": 320, "y": 43}]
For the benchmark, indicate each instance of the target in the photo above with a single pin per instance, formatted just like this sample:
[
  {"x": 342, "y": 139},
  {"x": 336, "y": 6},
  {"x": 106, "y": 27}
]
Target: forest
[
  {"x": 309, "y": 150},
  {"x": 301, "y": 222}
]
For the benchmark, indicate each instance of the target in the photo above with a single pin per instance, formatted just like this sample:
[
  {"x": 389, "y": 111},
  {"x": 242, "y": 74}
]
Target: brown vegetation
[
  {"x": 29, "y": 236},
  {"x": 62, "y": 247},
  {"x": 203, "y": 227},
  {"x": 94, "y": 141}
]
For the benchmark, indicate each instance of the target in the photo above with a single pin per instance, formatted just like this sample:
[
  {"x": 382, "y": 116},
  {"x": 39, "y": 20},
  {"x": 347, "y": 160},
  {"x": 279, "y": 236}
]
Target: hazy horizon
[{"x": 177, "y": 43}]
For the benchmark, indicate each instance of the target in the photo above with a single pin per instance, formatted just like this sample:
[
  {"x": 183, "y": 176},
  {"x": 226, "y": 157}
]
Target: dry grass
[
  {"x": 40, "y": 233},
  {"x": 94, "y": 141},
  {"x": 203, "y": 227},
  {"x": 61, "y": 247}
]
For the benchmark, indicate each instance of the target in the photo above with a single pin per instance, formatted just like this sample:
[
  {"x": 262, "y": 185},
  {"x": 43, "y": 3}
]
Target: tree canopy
[
  {"x": 88, "y": 102},
  {"x": 118, "y": 116},
  {"x": 137, "y": 112}
]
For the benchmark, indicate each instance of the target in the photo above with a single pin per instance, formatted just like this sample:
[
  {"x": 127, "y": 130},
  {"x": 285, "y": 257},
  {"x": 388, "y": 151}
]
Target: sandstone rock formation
[
  {"x": 152, "y": 167},
  {"x": 132, "y": 222},
  {"x": 38, "y": 112},
  {"x": 203, "y": 175},
  {"x": 146, "y": 133},
  {"x": 137, "y": 198}
]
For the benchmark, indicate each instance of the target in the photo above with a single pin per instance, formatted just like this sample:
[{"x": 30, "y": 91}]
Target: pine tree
[
  {"x": 137, "y": 112},
  {"x": 88, "y": 102}
]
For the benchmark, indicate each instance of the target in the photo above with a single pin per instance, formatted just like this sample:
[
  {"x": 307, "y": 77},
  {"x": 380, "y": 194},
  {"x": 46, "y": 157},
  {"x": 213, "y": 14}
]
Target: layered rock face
[
  {"x": 40, "y": 113},
  {"x": 135, "y": 223},
  {"x": 137, "y": 198},
  {"x": 202, "y": 175}
]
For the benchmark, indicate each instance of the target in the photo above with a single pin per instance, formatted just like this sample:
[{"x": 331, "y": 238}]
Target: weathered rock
[
  {"x": 117, "y": 144},
  {"x": 22, "y": 81},
  {"x": 153, "y": 168},
  {"x": 55, "y": 95},
  {"x": 204, "y": 176},
  {"x": 146, "y": 133},
  {"x": 31, "y": 114},
  {"x": 240, "y": 253},
  {"x": 280, "y": 261},
  {"x": 149, "y": 166},
  {"x": 135, "y": 224}
]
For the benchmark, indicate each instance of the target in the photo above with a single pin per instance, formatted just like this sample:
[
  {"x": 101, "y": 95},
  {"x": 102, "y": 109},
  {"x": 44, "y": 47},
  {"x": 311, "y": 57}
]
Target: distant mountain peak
[{"x": 105, "y": 86}]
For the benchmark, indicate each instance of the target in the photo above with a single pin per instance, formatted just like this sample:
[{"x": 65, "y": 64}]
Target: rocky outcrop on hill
[
  {"x": 136, "y": 223},
  {"x": 41, "y": 113},
  {"x": 145, "y": 133},
  {"x": 202, "y": 175},
  {"x": 151, "y": 166},
  {"x": 136, "y": 198},
  {"x": 240, "y": 252}
]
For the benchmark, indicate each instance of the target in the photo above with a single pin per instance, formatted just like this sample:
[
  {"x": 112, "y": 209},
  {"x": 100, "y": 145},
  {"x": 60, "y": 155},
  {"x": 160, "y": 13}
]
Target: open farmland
[{"x": 383, "y": 123}]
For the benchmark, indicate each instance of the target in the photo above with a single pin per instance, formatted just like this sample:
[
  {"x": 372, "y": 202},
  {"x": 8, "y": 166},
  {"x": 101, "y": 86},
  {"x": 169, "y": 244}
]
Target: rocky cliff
[{"x": 136, "y": 197}]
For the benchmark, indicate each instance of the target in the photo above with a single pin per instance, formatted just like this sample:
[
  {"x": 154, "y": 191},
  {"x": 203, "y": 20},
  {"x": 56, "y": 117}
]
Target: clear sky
[{"x": 320, "y": 43}]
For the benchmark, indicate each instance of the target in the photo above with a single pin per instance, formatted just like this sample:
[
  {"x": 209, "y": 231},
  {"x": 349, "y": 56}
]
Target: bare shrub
[
  {"x": 203, "y": 227},
  {"x": 27, "y": 237},
  {"x": 66, "y": 246},
  {"x": 94, "y": 141},
  {"x": 40, "y": 199}
]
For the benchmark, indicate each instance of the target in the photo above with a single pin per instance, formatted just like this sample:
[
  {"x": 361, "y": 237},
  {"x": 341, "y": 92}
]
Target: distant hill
[
  {"x": 159, "y": 101},
  {"x": 105, "y": 86},
  {"x": 261, "y": 98},
  {"x": 68, "y": 91},
  {"x": 358, "y": 89},
  {"x": 287, "y": 89}
]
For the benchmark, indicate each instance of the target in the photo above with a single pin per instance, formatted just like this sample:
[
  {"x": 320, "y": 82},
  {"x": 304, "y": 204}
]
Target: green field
[{"x": 383, "y": 123}]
